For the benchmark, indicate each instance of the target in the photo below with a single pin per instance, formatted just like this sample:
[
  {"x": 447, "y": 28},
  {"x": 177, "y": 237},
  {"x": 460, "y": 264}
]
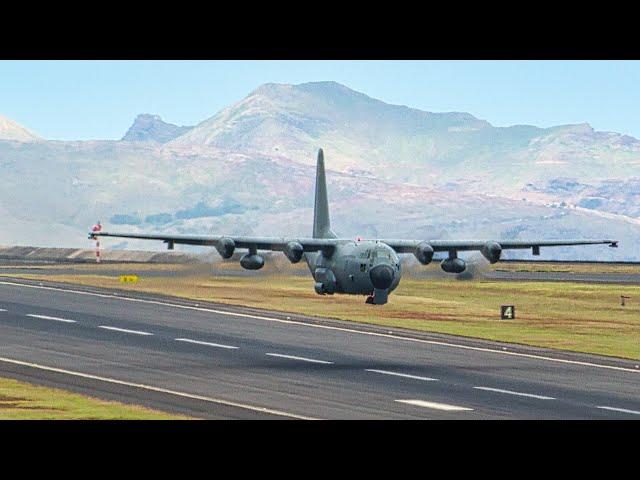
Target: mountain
[
  {"x": 407, "y": 145},
  {"x": 10, "y": 130},
  {"x": 148, "y": 127},
  {"x": 393, "y": 171}
]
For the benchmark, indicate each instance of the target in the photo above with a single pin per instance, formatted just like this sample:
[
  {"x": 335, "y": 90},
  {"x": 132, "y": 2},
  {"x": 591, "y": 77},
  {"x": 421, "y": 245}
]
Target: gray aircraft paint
[{"x": 338, "y": 265}]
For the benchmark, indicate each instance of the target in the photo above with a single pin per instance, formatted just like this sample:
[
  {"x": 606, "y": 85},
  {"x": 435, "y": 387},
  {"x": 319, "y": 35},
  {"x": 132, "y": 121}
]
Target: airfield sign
[
  {"x": 507, "y": 312},
  {"x": 128, "y": 278}
]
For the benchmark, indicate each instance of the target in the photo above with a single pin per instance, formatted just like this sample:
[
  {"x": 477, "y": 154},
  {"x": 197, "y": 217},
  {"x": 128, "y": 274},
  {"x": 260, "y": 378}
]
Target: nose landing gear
[{"x": 379, "y": 297}]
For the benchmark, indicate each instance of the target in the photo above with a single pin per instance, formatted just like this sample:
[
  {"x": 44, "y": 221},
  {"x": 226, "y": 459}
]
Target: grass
[
  {"x": 579, "y": 317},
  {"x": 24, "y": 401}
]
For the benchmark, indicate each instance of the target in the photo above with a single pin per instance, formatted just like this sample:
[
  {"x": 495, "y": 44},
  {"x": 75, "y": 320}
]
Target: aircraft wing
[
  {"x": 409, "y": 246},
  {"x": 226, "y": 242}
]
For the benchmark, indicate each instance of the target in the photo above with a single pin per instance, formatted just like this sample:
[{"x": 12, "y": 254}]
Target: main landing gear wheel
[{"x": 369, "y": 299}]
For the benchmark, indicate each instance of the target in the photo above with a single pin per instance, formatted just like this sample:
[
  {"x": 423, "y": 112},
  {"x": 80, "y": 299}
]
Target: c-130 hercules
[{"x": 340, "y": 265}]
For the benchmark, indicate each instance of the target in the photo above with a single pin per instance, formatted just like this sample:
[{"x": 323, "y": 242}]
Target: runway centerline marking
[
  {"x": 405, "y": 375},
  {"x": 436, "y": 406},
  {"x": 303, "y": 359},
  {"x": 623, "y": 410},
  {"x": 157, "y": 389},
  {"x": 3, "y": 310},
  {"x": 209, "y": 344},
  {"x": 116, "y": 329},
  {"x": 47, "y": 317},
  {"x": 327, "y": 327},
  {"x": 511, "y": 392}
]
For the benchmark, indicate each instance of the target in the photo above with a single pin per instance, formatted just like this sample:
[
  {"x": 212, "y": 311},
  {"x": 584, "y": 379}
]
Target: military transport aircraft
[{"x": 341, "y": 265}]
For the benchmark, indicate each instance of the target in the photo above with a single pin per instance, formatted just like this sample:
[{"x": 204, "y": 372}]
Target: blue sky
[{"x": 79, "y": 100}]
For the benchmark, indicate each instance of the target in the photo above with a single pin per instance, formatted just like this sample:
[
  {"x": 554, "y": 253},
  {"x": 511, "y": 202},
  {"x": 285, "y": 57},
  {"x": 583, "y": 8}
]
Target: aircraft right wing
[
  {"x": 226, "y": 245},
  {"x": 489, "y": 248}
]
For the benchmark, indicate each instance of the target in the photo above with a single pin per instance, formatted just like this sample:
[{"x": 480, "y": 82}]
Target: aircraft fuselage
[{"x": 358, "y": 268}]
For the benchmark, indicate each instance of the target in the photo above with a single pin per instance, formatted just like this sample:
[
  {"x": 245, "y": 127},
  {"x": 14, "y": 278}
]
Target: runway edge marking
[
  {"x": 328, "y": 327},
  {"x": 157, "y": 389}
]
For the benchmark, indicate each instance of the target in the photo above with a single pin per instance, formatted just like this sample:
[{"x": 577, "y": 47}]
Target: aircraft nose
[{"x": 381, "y": 276}]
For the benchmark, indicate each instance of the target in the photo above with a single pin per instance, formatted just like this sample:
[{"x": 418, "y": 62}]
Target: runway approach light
[{"x": 622, "y": 299}]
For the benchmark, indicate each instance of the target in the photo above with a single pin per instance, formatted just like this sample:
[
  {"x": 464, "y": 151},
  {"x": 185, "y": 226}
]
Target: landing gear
[{"x": 379, "y": 297}]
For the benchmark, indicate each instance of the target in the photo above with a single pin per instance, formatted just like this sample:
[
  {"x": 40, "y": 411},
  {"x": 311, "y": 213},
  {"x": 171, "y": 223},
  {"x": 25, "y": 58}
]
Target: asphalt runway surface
[{"x": 218, "y": 361}]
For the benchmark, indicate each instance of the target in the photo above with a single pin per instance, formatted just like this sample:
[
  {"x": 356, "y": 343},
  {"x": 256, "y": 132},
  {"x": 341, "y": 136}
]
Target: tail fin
[{"x": 321, "y": 222}]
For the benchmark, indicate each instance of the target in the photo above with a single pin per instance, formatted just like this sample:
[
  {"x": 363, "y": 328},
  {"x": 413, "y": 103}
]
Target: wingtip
[{"x": 320, "y": 155}]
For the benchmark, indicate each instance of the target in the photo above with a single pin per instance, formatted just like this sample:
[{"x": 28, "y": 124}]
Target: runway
[{"x": 215, "y": 361}]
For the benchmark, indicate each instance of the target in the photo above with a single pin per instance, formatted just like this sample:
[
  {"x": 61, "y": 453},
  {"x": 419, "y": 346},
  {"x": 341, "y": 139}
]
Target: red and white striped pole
[{"x": 96, "y": 228}]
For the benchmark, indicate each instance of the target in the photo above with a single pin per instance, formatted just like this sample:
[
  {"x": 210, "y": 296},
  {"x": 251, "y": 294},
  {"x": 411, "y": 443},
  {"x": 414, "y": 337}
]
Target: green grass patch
[{"x": 25, "y": 401}]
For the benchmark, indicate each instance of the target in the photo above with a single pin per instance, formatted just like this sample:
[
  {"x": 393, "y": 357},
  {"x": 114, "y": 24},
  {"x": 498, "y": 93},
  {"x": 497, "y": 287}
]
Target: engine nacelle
[
  {"x": 226, "y": 247},
  {"x": 325, "y": 281},
  {"x": 424, "y": 253},
  {"x": 491, "y": 251},
  {"x": 453, "y": 265},
  {"x": 293, "y": 251},
  {"x": 252, "y": 262}
]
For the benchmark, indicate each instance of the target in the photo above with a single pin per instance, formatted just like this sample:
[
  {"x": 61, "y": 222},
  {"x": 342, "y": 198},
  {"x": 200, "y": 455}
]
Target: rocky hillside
[
  {"x": 393, "y": 171},
  {"x": 151, "y": 128},
  {"x": 10, "y": 130}
]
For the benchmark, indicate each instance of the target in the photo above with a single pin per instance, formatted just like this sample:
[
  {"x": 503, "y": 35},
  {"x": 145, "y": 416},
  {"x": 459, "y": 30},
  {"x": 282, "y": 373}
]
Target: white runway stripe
[
  {"x": 157, "y": 389},
  {"x": 511, "y": 392},
  {"x": 135, "y": 332},
  {"x": 2, "y": 310},
  {"x": 623, "y": 410},
  {"x": 405, "y": 375},
  {"x": 436, "y": 406},
  {"x": 209, "y": 344},
  {"x": 46, "y": 317},
  {"x": 303, "y": 359}
]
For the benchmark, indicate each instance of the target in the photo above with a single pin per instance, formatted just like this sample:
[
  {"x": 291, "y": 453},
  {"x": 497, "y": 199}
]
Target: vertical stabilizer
[{"x": 321, "y": 222}]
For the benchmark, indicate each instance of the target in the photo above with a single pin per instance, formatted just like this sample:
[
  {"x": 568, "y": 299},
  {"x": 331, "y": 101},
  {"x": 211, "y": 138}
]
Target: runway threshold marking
[
  {"x": 511, "y": 392},
  {"x": 303, "y": 359},
  {"x": 405, "y": 375},
  {"x": 436, "y": 406},
  {"x": 158, "y": 389},
  {"x": 327, "y": 327},
  {"x": 209, "y": 344},
  {"x": 622, "y": 410},
  {"x": 124, "y": 330},
  {"x": 47, "y": 317}
]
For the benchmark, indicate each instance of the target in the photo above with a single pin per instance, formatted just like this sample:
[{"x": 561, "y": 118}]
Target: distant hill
[
  {"x": 407, "y": 145},
  {"x": 148, "y": 127},
  {"x": 10, "y": 130},
  {"x": 393, "y": 171}
]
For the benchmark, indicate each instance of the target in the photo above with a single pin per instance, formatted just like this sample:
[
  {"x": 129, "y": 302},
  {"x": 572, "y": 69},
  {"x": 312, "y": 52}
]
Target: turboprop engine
[
  {"x": 252, "y": 261},
  {"x": 293, "y": 251},
  {"x": 325, "y": 281},
  {"x": 453, "y": 265},
  {"x": 491, "y": 251},
  {"x": 424, "y": 253},
  {"x": 225, "y": 247}
]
